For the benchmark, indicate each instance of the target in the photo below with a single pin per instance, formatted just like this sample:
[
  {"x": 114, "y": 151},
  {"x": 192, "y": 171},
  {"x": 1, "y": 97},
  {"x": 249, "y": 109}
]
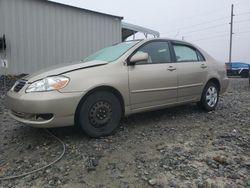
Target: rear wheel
[
  {"x": 99, "y": 115},
  {"x": 210, "y": 97}
]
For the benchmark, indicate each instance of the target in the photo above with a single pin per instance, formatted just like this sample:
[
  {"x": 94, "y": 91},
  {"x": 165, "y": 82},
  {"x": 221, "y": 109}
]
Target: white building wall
[{"x": 41, "y": 33}]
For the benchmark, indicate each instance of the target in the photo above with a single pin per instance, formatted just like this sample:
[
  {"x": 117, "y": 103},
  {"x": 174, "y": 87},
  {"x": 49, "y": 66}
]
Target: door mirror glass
[{"x": 139, "y": 56}]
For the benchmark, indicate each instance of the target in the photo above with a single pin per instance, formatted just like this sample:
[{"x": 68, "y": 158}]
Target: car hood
[{"x": 61, "y": 69}]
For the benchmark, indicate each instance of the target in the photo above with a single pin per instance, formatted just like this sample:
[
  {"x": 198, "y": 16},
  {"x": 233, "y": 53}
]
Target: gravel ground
[{"x": 177, "y": 147}]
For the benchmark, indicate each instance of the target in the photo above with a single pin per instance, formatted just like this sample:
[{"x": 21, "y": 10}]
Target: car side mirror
[{"x": 139, "y": 56}]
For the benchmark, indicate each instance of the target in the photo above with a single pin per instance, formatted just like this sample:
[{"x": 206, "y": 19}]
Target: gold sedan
[{"x": 120, "y": 80}]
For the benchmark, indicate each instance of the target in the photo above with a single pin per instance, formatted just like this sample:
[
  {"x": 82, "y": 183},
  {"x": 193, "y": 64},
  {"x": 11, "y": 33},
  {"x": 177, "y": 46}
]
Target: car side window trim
[
  {"x": 198, "y": 53},
  {"x": 136, "y": 50}
]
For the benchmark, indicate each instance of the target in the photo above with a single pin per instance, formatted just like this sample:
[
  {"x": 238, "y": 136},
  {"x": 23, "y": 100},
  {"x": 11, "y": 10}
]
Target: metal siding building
[{"x": 40, "y": 33}]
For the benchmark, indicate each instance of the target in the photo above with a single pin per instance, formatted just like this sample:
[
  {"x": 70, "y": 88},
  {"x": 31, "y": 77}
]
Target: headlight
[{"x": 48, "y": 84}]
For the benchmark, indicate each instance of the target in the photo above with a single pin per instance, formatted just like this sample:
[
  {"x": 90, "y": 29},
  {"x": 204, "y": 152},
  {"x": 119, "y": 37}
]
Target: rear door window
[{"x": 186, "y": 53}]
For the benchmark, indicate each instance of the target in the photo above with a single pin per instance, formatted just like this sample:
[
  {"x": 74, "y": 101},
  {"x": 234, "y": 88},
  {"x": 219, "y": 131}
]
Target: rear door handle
[
  {"x": 203, "y": 66},
  {"x": 171, "y": 68}
]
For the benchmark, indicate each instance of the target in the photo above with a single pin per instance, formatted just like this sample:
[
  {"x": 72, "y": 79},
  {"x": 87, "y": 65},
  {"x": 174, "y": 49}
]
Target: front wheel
[
  {"x": 245, "y": 74},
  {"x": 210, "y": 97},
  {"x": 99, "y": 115}
]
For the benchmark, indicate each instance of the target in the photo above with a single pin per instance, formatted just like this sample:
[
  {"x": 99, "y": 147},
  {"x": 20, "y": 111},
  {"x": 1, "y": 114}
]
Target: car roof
[{"x": 167, "y": 39}]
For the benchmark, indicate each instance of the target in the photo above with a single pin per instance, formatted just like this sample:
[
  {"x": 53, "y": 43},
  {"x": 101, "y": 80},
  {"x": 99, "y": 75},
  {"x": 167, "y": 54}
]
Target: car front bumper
[{"x": 43, "y": 109}]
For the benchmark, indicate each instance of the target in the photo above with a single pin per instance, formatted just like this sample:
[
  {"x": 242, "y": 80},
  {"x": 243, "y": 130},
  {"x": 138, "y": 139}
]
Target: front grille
[{"x": 19, "y": 85}]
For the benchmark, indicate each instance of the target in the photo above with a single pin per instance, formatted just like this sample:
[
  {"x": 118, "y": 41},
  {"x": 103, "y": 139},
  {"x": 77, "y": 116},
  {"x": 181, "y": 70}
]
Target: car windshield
[{"x": 111, "y": 53}]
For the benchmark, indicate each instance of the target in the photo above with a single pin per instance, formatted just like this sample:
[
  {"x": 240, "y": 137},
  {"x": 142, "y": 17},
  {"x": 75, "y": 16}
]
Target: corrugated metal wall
[
  {"x": 41, "y": 33},
  {"x": 1, "y": 25}
]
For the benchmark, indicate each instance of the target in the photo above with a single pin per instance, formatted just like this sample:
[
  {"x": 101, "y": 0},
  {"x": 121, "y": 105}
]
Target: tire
[
  {"x": 210, "y": 97},
  {"x": 245, "y": 74},
  {"x": 100, "y": 114}
]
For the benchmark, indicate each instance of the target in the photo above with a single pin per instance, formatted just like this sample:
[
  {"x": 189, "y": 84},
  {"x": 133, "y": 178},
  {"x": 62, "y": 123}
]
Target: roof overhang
[{"x": 131, "y": 29}]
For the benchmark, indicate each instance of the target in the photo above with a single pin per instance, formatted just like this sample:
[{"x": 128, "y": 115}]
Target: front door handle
[
  {"x": 203, "y": 66},
  {"x": 171, "y": 68}
]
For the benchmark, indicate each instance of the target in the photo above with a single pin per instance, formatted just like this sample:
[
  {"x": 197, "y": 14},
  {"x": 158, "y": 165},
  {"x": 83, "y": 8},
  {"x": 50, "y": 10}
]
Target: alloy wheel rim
[
  {"x": 100, "y": 114},
  {"x": 211, "y": 96}
]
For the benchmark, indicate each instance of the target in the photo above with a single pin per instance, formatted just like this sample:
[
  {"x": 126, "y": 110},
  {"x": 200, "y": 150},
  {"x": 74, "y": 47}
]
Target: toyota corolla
[{"x": 117, "y": 81}]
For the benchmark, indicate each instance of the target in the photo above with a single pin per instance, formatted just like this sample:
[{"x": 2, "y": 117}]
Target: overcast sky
[{"x": 204, "y": 23}]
